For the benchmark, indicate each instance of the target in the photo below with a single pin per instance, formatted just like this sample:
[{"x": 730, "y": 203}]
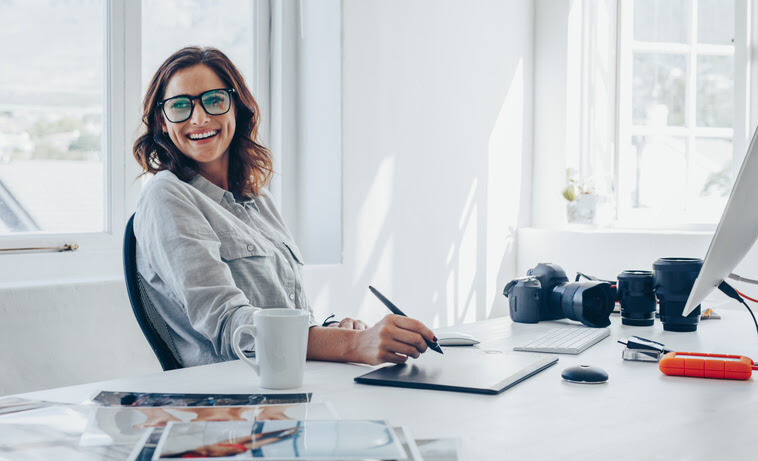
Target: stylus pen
[{"x": 432, "y": 345}]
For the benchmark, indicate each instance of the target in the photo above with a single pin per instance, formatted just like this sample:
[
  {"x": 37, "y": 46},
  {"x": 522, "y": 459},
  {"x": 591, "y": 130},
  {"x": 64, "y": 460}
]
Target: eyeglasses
[{"x": 179, "y": 108}]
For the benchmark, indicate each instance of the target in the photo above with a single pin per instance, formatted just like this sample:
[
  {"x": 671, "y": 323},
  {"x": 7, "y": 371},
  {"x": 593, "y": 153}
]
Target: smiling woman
[
  {"x": 194, "y": 75},
  {"x": 212, "y": 248}
]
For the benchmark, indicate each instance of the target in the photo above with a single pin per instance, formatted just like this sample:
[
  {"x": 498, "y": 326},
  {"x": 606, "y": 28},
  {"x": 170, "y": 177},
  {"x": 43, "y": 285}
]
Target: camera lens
[
  {"x": 588, "y": 302},
  {"x": 635, "y": 290},
  {"x": 674, "y": 278}
]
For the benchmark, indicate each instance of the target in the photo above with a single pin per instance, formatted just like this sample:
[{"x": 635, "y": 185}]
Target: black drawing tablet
[{"x": 471, "y": 370}]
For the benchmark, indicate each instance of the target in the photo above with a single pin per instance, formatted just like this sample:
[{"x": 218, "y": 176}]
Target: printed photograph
[
  {"x": 115, "y": 425},
  {"x": 54, "y": 433},
  {"x": 142, "y": 399},
  {"x": 438, "y": 449},
  {"x": 279, "y": 440},
  {"x": 14, "y": 405},
  {"x": 408, "y": 444}
]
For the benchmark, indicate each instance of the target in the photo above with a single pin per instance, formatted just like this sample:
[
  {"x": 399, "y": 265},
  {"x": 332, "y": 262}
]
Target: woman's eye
[
  {"x": 214, "y": 101},
  {"x": 180, "y": 105}
]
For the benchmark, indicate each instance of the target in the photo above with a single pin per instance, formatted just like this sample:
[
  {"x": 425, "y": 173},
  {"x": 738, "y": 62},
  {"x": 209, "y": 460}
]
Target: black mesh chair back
[{"x": 152, "y": 324}]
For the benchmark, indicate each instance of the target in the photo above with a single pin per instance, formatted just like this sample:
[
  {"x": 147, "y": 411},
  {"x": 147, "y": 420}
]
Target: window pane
[
  {"x": 51, "y": 116},
  {"x": 658, "y": 89},
  {"x": 715, "y": 22},
  {"x": 710, "y": 180},
  {"x": 715, "y": 91},
  {"x": 653, "y": 175},
  {"x": 169, "y": 25},
  {"x": 661, "y": 20}
]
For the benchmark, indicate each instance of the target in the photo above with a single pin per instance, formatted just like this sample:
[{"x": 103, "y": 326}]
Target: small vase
[{"x": 582, "y": 209}]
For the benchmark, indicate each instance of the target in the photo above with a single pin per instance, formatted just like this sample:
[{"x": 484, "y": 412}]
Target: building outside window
[{"x": 52, "y": 93}]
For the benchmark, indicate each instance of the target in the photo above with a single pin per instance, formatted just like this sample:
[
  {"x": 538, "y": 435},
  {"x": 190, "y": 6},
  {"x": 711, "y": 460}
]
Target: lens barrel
[
  {"x": 588, "y": 302},
  {"x": 635, "y": 292},
  {"x": 674, "y": 278}
]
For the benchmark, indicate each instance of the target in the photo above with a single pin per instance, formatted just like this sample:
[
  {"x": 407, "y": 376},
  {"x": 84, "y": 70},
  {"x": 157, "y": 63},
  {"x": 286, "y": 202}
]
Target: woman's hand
[
  {"x": 393, "y": 339},
  {"x": 350, "y": 324}
]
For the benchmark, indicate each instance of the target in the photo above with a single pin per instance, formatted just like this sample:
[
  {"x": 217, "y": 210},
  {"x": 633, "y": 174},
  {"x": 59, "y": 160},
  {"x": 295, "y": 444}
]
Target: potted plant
[{"x": 582, "y": 201}]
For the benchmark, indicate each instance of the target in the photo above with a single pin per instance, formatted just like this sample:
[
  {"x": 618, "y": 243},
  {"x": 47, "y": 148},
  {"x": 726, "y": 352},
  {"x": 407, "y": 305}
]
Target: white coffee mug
[{"x": 281, "y": 342}]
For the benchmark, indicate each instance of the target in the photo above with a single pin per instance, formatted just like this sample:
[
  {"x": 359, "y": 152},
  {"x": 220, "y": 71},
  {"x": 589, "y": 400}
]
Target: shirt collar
[
  {"x": 216, "y": 193},
  {"x": 208, "y": 188}
]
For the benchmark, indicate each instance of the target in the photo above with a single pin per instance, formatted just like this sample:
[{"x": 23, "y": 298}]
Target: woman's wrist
[{"x": 334, "y": 344}]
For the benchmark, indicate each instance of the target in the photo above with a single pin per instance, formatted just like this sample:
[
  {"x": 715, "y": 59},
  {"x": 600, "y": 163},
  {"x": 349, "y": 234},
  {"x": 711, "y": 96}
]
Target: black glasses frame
[{"x": 162, "y": 104}]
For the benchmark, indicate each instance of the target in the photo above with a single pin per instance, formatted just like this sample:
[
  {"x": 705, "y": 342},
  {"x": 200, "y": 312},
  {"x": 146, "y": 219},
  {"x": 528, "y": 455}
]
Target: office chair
[{"x": 151, "y": 322}]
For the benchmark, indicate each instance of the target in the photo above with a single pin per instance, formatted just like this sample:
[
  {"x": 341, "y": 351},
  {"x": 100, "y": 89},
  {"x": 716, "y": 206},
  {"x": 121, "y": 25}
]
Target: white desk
[{"x": 639, "y": 414}]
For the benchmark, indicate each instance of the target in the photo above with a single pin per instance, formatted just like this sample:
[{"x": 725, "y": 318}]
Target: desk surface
[{"x": 638, "y": 414}]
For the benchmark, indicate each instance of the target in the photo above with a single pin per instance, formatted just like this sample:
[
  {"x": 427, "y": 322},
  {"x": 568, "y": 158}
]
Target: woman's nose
[{"x": 199, "y": 115}]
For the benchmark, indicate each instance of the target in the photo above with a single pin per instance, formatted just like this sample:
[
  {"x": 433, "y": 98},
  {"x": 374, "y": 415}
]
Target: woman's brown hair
[{"x": 250, "y": 164}]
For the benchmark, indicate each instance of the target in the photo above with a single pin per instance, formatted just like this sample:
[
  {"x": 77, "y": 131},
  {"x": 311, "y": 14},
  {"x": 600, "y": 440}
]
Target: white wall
[
  {"x": 436, "y": 130},
  {"x": 63, "y": 334},
  {"x": 436, "y": 133}
]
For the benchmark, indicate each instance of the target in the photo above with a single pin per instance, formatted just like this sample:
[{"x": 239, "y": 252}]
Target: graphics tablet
[{"x": 470, "y": 370}]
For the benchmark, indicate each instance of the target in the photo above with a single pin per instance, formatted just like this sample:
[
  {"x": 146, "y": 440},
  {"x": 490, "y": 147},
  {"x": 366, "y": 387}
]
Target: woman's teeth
[{"x": 207, "y": 134}]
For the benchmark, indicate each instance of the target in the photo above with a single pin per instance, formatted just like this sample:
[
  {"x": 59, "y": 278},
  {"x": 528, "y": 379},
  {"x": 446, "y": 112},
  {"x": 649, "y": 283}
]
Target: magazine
[
  {"x": 14, "y": 404},
  {"x": 144, "y": 399},
  {"x": 409, "y": 445},
  {"x": 53, "y": 433},
  {"x": 438, "y": 449},
  {"x": 116, "y": 425},
  {"x": 279, "y": 440}
]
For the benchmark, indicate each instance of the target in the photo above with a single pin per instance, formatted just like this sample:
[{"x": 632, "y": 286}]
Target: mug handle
[{"x": 250, "y": 329}]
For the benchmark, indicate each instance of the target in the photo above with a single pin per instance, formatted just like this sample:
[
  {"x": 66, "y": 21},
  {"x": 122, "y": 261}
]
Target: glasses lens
[
  {"x": 216, "y": 102},
  {"x": 178, "y": 109}
]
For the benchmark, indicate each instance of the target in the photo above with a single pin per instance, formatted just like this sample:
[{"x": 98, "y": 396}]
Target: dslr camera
[{"x": 546, "y": 294}]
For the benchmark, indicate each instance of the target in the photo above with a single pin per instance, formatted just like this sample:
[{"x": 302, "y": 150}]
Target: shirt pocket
[
  {"x": 235, "y": 245},
  {"x": 295, "y": 251}
]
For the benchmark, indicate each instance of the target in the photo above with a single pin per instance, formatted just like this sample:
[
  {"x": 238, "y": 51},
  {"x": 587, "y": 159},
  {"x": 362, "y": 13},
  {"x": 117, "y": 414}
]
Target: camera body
[{"x": 546, "y": 294}]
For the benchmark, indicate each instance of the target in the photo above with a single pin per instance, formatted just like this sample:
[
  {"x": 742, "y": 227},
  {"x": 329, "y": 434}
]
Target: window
[
  {"x": 676, "y": 112},
  {"x": 52, "y": 88},
  {"x": 169, "y": 25},
  {"x": 70, "y": 110}
]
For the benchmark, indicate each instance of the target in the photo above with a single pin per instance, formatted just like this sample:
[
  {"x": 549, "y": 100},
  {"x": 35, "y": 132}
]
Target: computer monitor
[{"x": 736, "y": 233}]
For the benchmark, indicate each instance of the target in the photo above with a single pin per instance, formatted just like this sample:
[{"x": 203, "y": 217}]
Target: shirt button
[
  {"x": 292, "y": 296},
  {"x": 249, "y": 248}
]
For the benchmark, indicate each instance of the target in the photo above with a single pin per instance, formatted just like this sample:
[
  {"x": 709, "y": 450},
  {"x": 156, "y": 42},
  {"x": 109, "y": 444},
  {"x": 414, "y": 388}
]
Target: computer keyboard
[{"x": 566, "y": 340}]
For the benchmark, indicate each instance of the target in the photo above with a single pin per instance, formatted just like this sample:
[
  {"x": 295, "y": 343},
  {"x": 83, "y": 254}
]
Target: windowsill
[
  {"x": 615, "y": 231},
  {"x": 61, "y": 282}
]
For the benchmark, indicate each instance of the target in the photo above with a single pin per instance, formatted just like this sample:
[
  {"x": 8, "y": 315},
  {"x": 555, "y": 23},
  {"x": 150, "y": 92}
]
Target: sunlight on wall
[
  {"x": 374, "y": 249},
  {"x": 462, "y": 264},
  {"x": 504, "y": 193}
]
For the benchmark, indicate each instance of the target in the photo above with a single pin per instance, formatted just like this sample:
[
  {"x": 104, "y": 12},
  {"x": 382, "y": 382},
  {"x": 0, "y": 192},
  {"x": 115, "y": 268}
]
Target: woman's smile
[{"x": 202, "y": 136}]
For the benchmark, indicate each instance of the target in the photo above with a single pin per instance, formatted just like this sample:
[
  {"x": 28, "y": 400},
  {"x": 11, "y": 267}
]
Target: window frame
[
  {"x": 122, "y": 22},
  {"x": 98, "y": 256},
  {"x": 625, "y": 129}
]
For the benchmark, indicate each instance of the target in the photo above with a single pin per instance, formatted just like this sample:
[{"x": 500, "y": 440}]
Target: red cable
[{"x": 746, "y": 296}]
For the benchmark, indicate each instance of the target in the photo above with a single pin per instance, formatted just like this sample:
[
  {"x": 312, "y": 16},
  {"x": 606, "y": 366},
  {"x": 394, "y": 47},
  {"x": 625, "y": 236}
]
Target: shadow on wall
[{"x": 436, "y": 127}]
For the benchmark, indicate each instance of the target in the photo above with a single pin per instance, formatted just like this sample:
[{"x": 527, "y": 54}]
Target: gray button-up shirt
[{"x": 208, "y": 262}]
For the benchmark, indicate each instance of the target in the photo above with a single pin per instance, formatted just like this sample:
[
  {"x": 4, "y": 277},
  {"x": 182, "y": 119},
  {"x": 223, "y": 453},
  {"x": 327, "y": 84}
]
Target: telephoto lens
[
  {"x": 674, "y": 278},
  {"x": 635, "y": 292}
]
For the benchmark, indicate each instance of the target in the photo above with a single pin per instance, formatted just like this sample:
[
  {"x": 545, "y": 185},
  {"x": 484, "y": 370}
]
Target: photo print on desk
[
  {"x": 312, "y": 440},
  {"x": 113, "y": 425},
  {"x": 154, "y": 399},
  {"x": 54, "y": 432},
  {"x": 409, "y": 445},
  {"x": 15, "y": 405},
  {"x": 119, "y": 425}
]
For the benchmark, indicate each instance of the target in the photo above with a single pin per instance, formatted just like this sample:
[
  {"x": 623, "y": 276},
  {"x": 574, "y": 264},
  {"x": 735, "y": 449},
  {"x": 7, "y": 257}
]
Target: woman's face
[{"x": 209, "y": 152}]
